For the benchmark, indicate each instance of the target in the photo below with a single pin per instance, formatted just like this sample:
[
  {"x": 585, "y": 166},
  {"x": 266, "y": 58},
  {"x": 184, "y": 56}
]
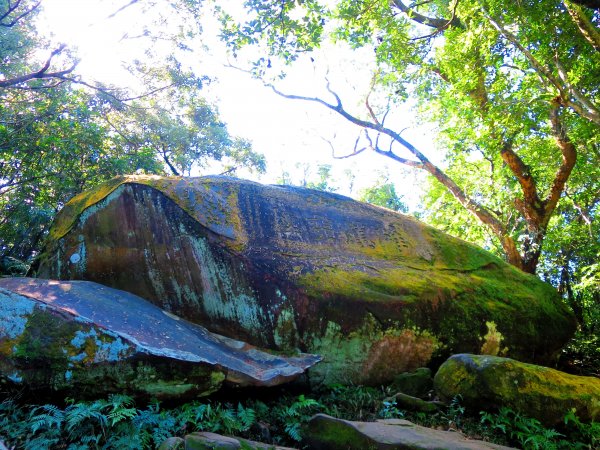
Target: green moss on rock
[
  {"x": 290, "y": 268},
  {"x": 212, "y": 211},
  {"x": 536, "y": 391}
]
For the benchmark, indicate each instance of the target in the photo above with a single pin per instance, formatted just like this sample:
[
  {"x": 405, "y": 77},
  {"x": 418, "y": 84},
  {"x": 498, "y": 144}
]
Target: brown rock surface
[
  {"x": 375, "y": 292},
  {"x": 328, "y": 433},
  {"x": 206, "y": 441}
]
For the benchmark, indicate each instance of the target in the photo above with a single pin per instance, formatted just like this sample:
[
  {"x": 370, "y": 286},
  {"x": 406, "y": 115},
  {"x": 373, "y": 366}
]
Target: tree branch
[
  {"x": 432, "y": 22},
  {"x": 41, "y": 73},
  {"x": 131, "y": 2},
  {"x": 585, "y": 216},
  {"x": 452, "y": 21},
  {"x": 168, "y": 161},
  {"x": 569, "y": 158},
  {"x": 570, "y": 96},
  {"x": 582, "y": 101},
  {"x": 585, "y": 25},
  {"x": 355, "y": 151},
  {"x": 11, "y": 9},
  {"x": 481, "y": 212},
  {"x": 531, "y": 206}
]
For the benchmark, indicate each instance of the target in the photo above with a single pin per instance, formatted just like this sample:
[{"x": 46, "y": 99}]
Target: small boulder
[
  {"x": 411, "y": 403},
  {"x": 172, "y": 443},
  {"x": 490, "y": 382},
  {"x": 212, "y": 441},
  {"x": 324, "y": 432},
  {"x": 86, "y": 339}
]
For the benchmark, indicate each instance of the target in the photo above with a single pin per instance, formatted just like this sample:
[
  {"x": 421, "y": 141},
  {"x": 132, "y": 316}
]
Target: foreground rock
[
  {"x": 375, "y": 292},
  {"x": 207, "y": 441},
  {"x": 88, "y": 339},
  {"x": 540, "y": 392},
  {"x": 328, "y": 433}
]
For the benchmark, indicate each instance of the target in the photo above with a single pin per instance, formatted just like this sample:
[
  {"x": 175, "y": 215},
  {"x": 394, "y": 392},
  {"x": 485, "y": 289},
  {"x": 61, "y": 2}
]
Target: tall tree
[{"x": 513, "y": 88}]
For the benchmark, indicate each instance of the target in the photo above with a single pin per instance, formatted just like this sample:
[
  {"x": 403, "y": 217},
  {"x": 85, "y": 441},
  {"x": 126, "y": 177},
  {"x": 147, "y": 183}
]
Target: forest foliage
[
  {"x": 118, "y": 423},
  {"x": 512, "y": 89}
]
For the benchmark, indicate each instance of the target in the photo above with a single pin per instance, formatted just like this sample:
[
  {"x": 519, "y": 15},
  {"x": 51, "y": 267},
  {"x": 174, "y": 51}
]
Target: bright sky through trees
[{"x": 292, "y": 134}]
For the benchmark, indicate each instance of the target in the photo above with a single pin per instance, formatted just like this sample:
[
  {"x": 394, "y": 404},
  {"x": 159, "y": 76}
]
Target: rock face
[
  {"x": 89, "y": 339},
  {"x": 375, "y": 292},
  {"x": 539, "y": 392},
  {"x": 328, "y": 433}
]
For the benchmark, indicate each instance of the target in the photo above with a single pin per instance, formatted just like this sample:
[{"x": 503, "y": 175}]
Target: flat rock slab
[
  {"x": 374, "y": 292},
  {"x": 328, "y": 433},
  {"x": 490, "y": 382},
  {"x": 61, "y": 335},
  {"x": 211, "y": 441}
]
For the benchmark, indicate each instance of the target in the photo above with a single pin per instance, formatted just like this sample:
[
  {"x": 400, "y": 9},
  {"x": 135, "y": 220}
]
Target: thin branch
[
  {"x": 132, "y": 2},
  {"x": 107, "y": 91},
  {"x": 41, "y": 73},
  {"x": 12, "y": 9},
  {"x": 228, "y": 171},
  {"x": 583, "y": 214},
  {"x": 368, "y": 105},
  {"x": 355, "y": 151},
  {"x": 401, "y": 160},
  {"x": 569, "y": 154},
  {"x": 420, "y": 18},
  {"x": 452, "y": 21}
]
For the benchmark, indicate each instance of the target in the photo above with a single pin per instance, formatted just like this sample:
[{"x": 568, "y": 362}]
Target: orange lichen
[{"x": 396, "y": 354}]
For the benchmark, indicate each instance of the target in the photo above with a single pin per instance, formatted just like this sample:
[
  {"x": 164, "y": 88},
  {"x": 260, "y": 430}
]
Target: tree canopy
[
  {"x": 513, "y": 88},
  {"x": 61, "y": 133}
]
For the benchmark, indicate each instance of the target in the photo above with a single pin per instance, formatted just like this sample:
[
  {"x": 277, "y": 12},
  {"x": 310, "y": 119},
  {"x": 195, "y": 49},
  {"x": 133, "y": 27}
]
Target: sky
[{"x": 291, "y": 134}]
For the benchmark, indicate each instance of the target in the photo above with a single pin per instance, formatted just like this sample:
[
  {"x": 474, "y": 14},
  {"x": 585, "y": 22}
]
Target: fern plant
[
  {"x": 530, "y": 434},
  {"x": 116, "y": 423},
  {"x": 295, "y": 415}
]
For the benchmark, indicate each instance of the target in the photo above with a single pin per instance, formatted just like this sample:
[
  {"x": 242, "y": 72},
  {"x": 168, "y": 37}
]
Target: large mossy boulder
[
  {"x": 490, "y": 382},
  {"x": 83, "y": 339},
  {"x": 375, "y": 292}
]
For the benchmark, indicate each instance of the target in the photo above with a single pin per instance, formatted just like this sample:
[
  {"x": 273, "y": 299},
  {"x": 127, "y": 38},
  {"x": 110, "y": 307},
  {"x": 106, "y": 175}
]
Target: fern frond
[
  {"x": 121, "y": 414},
  {"x": 246, "y": 417},
  {"x": 51, "y": 416}
]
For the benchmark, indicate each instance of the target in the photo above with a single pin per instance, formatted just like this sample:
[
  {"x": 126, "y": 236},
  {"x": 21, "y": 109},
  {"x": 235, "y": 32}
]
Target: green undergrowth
[
  {"x": 582, "y": 355},
  {"x": 118, "y": 423}
]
